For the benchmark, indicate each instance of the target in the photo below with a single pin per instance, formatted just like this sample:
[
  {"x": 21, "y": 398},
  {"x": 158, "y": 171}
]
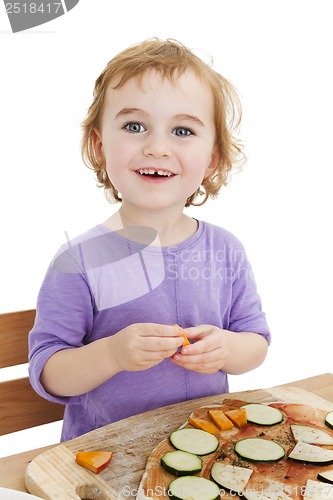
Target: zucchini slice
[
  {"x": 181, "y": 463},
  {"x": 194, "y": 441},
  {"x": 311, "y": 454},
  {"x": 314, "y": 490},
  {"x": 193, "y": 488},
  {"x": 231, "y": 477},
  {"x": 326, "y": 477},
  {"x": 311, "y": 435},
  {"x": 329, "y": 419},
  {"x": 259, "y": 450},
  {"x": 262, "y": 414}
]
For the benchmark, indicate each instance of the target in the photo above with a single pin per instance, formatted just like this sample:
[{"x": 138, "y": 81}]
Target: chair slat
[
  {"x": 22, "y": 408},
  {"x": 14, "y": 329}
]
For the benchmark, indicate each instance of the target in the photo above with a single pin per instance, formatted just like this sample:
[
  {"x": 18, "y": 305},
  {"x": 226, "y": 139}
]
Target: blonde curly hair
[{"x": 171, "y": 59}]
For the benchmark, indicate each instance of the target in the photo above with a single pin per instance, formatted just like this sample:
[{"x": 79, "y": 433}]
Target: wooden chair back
[{"x": 20, "y": 406}]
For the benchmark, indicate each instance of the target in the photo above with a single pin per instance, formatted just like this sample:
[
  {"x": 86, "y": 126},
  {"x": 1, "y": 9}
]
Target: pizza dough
[{"x": 281, "y": 480}]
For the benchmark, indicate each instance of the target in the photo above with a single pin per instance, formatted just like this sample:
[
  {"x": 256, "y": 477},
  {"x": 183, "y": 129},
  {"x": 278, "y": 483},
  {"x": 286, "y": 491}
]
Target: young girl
[{"x": 106, "y": 342}]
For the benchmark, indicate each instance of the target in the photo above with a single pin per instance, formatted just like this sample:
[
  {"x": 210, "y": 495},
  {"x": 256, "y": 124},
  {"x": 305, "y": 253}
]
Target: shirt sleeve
[
  {"x": 246, "y": 313},
  {"x": 64, "y": 318}
]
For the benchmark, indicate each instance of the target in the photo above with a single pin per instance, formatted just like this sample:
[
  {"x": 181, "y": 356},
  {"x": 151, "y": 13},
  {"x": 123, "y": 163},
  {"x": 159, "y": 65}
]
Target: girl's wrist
[{"x": 112, "y": 359}]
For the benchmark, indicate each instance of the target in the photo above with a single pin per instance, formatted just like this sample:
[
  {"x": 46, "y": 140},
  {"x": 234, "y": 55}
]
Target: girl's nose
[{"x": 157, "y": 148}]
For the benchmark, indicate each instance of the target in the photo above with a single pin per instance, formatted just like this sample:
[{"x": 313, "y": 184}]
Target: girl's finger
[
  {"x": 201, "y": 346},
  {"x": 162, "y": 344},
  {"x": 195, "y": 331},
  {"x": 207, "y": 357},
  {"x": 201, "y": 365},
  {"x": 157, "y": 330}
]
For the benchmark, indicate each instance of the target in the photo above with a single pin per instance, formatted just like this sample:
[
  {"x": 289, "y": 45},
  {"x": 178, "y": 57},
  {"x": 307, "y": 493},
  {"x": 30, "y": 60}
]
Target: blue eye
[
  {"x": 182, "y": 132},
  {"x": 134, "y": 127}
]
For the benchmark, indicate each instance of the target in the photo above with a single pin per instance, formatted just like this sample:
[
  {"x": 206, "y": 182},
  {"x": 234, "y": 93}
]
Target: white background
[{"x": 278, "y": 54}]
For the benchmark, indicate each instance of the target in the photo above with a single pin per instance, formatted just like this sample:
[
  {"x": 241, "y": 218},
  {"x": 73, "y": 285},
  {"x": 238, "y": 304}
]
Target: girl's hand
[
  {"x": 143, "y": 345},
  {"x": 208, "y": 353}
]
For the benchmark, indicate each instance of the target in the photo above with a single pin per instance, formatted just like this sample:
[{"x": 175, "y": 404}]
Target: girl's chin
[{"x": 154, "y": 203}]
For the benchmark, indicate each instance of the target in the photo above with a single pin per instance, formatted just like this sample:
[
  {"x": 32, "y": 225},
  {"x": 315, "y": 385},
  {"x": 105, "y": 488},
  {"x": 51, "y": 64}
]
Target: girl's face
[{"x": 157, "y": 139}]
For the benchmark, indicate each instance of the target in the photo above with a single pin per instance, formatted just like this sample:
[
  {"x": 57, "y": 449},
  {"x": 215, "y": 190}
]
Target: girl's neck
[{"x": 172, "y": 228}]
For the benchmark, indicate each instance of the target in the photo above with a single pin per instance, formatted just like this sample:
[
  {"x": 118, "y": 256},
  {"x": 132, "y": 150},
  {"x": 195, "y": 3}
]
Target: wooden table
[{"x": 12, "y": 468}]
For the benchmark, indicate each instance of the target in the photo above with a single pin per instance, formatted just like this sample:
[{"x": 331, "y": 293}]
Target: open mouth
[{"x": 154, "y": 173}]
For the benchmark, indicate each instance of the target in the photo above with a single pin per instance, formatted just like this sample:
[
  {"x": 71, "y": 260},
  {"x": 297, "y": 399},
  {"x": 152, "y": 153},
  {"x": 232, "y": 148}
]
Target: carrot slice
[
  {"x": 204, "y": 425},
  {"x": 237, "y": 417},
  {"x": 95, "y": 461},
  {"x": 220, "y": 419},
  {"x": 186, "y": 341}
]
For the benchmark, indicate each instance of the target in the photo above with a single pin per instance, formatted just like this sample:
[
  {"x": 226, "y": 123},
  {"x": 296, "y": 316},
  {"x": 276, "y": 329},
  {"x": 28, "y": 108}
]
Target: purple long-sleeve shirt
[{"x": 102, "y": 282}]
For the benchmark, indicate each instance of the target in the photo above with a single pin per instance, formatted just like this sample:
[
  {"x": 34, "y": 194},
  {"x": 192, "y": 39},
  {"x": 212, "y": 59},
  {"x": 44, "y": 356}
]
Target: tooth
[
  {"x": 151, "y": 171},
  {"x": 164, "y": 173}
]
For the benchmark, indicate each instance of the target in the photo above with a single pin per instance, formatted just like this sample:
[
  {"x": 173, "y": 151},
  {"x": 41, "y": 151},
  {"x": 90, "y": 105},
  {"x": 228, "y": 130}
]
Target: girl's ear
[
  {"x": 214, "y": 161},
  {"x": 96, "y": 138}
]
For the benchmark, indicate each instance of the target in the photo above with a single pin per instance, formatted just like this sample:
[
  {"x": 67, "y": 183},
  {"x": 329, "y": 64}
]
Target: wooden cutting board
[{"x": 55, "y": 475}]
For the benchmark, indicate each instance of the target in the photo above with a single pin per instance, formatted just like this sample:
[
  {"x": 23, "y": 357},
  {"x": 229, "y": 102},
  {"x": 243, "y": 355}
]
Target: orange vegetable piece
[
  {"x": 186, "y": 341},
  {"x": 204, "y": 425},
  {"x": 237, "y": 417},
  {"x": 220, "y": 419},
  {"x": 95, "y": 461}
]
